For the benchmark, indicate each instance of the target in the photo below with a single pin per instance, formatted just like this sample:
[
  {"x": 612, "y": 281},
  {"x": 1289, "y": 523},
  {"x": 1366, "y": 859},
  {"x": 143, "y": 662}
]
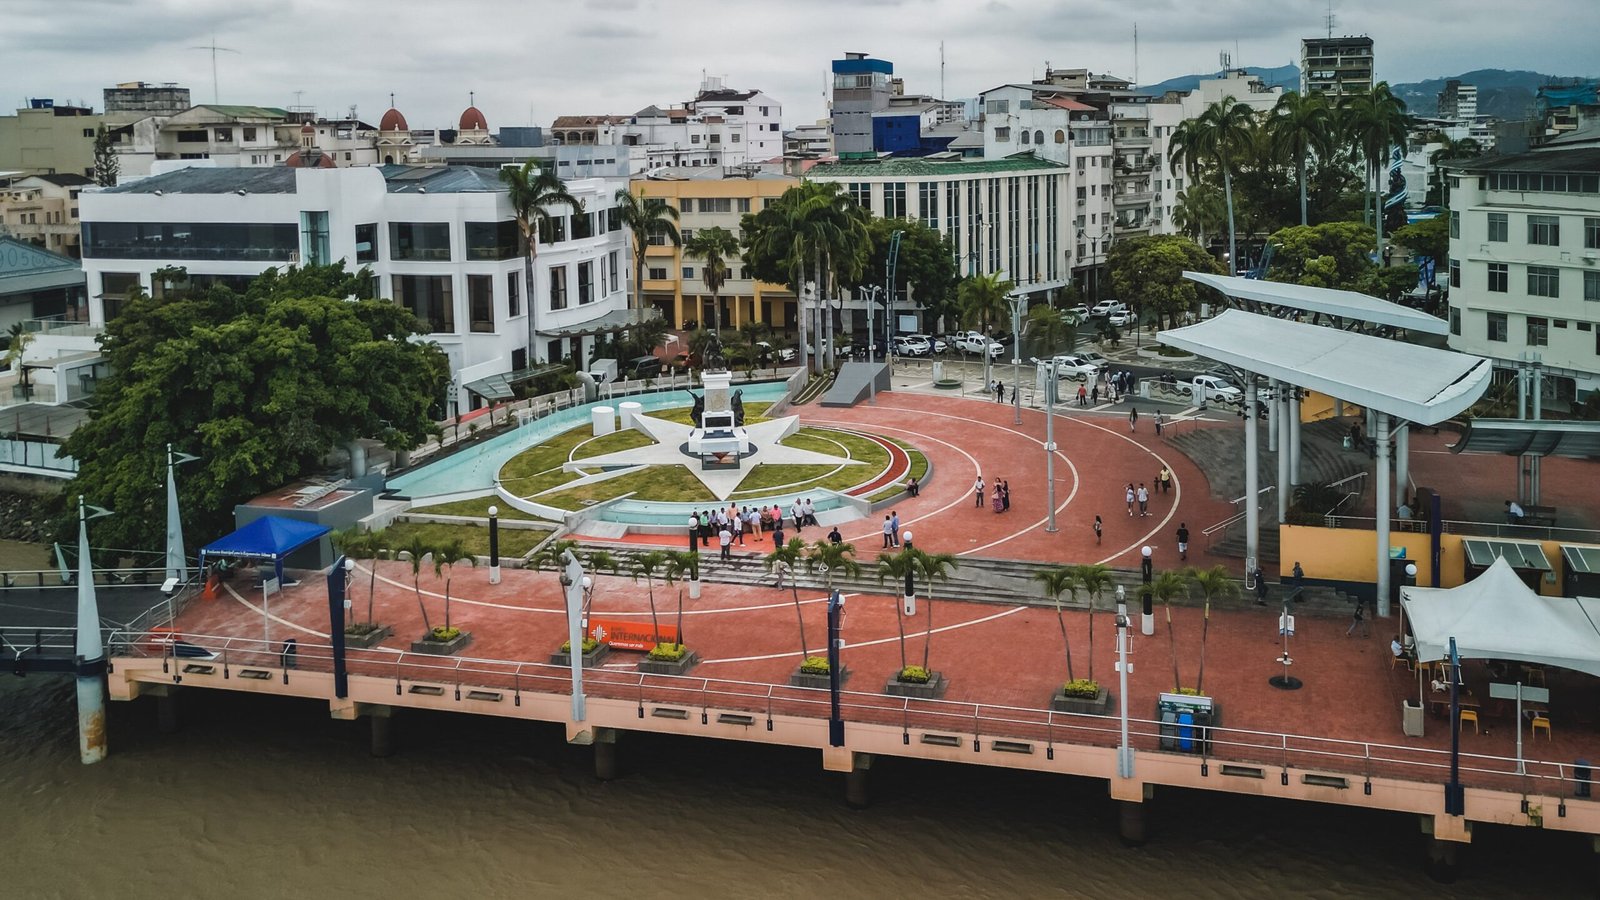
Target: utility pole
[
  {"x": 215, "y": 94},
  {"x": 1050, "y": 447},
  {"x": 1018, "y": 301}
]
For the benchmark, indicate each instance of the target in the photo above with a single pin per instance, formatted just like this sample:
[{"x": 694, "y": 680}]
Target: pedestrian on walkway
[
  {"x": 1083, "y": 396},
  {"x": 798, "y": 514},
  {"x": 1133, "y": 419},
  {"x": 1005, "y": 494},
  {"x": 997, "y": 498},
  {"x": 977, "y": 493},
  {"x": 894, "y": 519},
  {"x": 1261, "y": 589},
  {"x": 777, "y": 533},
  {"x": 1098, "y": 526},
  {"x": 725, "y": 537},
  {"x": 1144, "y": 500},
  {"x": 1299, "y": 580},
  {"x": 1183, "y": 540},
  {"x": 811, "y": 511},
  {"x": 888, "y": 532},
  {"x": 1130, "y": 499},
  {"x": 1094, "y": 395},
  {"x": 705, "y": 528},
  {"x": 1158, "y": 423},
  {"x": 1358, "y": 619},
  {"x": 1166, "y": 479},
  {"x": 736, "y": 525},
  {"x": 834, "y": 537}
]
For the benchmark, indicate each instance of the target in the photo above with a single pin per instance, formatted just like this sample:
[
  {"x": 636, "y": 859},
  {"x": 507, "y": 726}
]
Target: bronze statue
[
  {"x": 738, "y": 408},
  {"x": 699, "y": 409}
]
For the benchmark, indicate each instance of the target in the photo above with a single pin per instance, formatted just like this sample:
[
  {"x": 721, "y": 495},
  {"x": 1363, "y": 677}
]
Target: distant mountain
[
  {"x": 1502, "y": 93},
  {"x": 1287, "y": 77}
]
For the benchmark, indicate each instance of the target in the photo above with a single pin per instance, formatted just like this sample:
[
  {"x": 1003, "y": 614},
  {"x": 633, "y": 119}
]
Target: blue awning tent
[{"x": 269, "y": 538}]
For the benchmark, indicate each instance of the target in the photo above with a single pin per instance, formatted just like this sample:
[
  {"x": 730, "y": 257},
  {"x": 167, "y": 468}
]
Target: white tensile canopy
[{"x": 1497, "y": 616}]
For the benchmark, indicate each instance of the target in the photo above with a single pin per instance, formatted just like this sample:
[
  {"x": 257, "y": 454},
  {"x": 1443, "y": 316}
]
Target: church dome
[
  {"x": 393, "y": 121},
  {"x": 472, "y": 120}
]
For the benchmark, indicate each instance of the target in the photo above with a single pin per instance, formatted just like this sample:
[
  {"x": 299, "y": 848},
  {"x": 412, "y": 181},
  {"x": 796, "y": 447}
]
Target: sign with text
[{"x": 623, "y": 635}]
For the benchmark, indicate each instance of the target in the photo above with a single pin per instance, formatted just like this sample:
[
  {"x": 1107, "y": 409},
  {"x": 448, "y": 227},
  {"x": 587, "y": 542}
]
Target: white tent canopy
[{"x": 1497, "y": 616}]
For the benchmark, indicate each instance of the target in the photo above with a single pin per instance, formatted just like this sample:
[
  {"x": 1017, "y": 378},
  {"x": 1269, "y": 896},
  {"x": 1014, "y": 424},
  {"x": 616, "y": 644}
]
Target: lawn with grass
[
  {"x": 545, "y": 456},
  {"x": 665, "y": 483},
  {"x": 514, "y": 542},
  {"x": 919, "y": 468},
  {"x": 477, "y": 508},
  {"x": 611, "y": 443}
]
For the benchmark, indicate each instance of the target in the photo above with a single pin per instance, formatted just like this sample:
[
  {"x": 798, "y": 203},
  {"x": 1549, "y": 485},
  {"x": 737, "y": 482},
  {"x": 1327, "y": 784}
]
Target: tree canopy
[
  {"x": 1330, "y": 255},
  {"x": 1148, "y": 272},
  {"x": 926, "y": 265},
  {"x": 260, "y": 386},
  {"x": 1429, "y": 237}
]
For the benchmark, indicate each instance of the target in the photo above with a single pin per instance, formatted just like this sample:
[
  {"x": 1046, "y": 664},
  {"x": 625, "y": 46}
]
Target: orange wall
[
  {"x": 1350, "y": 554},
  {"x": 1315, "y": 407}
]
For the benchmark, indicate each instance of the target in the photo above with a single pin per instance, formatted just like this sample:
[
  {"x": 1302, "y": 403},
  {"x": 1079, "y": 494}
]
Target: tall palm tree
[
  {"x": 1049, "y": 329},
  {"x": 1449, "y": 149},
  {"x": 778, "y": 231},
  {"x": 644, "y": 218},
  {"x": 416, "y": 551},
  {"x": 983, "y": 300},
  {"x": 787, "y": 559},
  {"x": 1053, "y": 581},
  {"x": 1213, "y": 138},
  {"x": 1374, "y": 122},
  {"x": 833, "y": 231},
  {"x": 648, "y": 564},
  {"x": 833, "y": 559},
  {"x": 599, "y": 561},
  {"x": 445, "y": 556},
  {"x": 682, "y": 564},
  {"x": 932, "y": 567},
  {"x": 1095, "y": 579},
  {"x": 369, "y": 545},
  {"x": 1301, "y": 125},
  {"x": 898, "y": 567},
  {"x": 1214, "y": 583},
  {"x": 1200, "y": 212},
  {"x": 532, "y": 192},
  {"x": 1165, "y": 587},
  {"x": 715, "y": 245}
]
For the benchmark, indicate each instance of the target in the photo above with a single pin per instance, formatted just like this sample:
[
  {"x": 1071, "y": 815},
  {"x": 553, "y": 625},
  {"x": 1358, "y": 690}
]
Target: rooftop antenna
[
  {"x": 1328, "y": 20},
  {"x": 215, "y": 94},
  {"x": 1136, "y": 54},
  {"x": 472, "y": 98},
  {"x": 941, "y": 70}
]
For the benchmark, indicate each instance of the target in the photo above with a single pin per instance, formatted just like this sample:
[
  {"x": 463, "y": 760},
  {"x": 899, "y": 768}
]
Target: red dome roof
[
  {"x": 472, "y": 120},
  {"x": 393, "y": 121},
  {"x": 310, "y": 159},
  {"x": 308, "y": 128}
]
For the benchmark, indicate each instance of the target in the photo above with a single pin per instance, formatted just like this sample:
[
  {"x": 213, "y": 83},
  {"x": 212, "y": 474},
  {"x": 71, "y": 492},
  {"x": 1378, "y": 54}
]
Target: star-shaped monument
[{"x": 671, "y": 448}]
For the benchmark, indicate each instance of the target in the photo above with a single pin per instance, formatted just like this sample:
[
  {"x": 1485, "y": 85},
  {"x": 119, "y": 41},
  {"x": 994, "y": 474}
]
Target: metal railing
[
  {"x": 1473, "y": 529},
  {"x": 946, "y": 722},
  {"x": 1223, "y": 526}
]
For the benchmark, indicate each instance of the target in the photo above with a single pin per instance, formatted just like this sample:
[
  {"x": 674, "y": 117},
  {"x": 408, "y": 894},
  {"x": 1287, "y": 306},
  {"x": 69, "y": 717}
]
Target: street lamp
[
  {"x": 1147, "y": 620},
  {"x": 177, "y": 558},
  {"x": 1050, "y": 447},
  {"x": 1019, "y": 302},
  {"x": 872, "y": 290},
  {"x": 1124, "y": 748},
  {"x": 908, "y": 602},
  {"x": 835, "y": 644}
]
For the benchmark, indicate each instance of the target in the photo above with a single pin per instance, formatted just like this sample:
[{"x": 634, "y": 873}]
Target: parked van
[{"x": 642, "y": 367}]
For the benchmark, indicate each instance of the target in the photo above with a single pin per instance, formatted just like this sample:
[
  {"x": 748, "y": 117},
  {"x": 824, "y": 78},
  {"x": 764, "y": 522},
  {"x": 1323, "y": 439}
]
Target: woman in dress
[{"x": 999, "y": 497}]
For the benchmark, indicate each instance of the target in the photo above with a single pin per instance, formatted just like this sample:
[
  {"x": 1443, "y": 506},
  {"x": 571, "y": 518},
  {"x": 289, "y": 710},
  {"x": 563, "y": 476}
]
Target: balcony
[
  {"x": 1134, "y": 198},
  {"x": 1131, "y": 140}
]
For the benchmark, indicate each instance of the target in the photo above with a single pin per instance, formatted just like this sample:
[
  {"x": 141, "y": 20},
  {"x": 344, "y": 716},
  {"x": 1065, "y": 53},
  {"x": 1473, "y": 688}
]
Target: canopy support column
[
  {"x": 1294, "y": 435},
  {"x": 1402, "y": 462},
  {"x": 1252, "y": 479},
  {"x": 1385, "y": 509},
  {"x": 1280, "y": 430},
  {"x": 1274, "y": 415}
]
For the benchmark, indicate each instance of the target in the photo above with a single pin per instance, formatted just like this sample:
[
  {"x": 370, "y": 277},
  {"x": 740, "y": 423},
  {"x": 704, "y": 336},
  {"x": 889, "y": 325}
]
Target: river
[{"x": 269, "y": 797}]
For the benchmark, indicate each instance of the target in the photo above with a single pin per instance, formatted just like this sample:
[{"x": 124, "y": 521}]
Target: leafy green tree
[
  {"x": 932, "y": 567},
  {"x": 1151, "y": 268},
  {"x": 645, "y": 218},
  {"x": 415, "y": 552},
  {"x": 983, "y": 302},
  {"x": 926, "y": 265},
  {"x": 106, "y": 164},
  {"x": 445, "y": 557},
  {"x": 785, "y": 560},
  {"x": 1200, "y": 212},
  {"x": 774, "y": 244},
  {"x": 532, "y": 191},
  {"x": 715, "y": 246},
  {"x": 1329, "y": 255},
  {"x": 1429, "y": 237},
  {"x": 1054, "y": 581},
  {"x": 1214, "y": 138},
  {"x": 1049, "y": 330},
  {"x": 1301, "y": 125},
  {"x": 1165, "y": 587},
  {"x": 683, "y": 564},
  {"x": 260, "y": 386},
  {"x": 1374, "y": 121},
  {"x": 358, "y": 543}
]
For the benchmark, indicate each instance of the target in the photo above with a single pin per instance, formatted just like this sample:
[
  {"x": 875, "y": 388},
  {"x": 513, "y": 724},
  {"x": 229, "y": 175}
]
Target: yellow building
[{"x": 674, "y": 283}]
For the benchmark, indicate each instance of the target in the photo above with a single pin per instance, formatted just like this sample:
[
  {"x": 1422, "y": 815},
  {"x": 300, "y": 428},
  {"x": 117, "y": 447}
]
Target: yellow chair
[
  {"x": 1471, "y": 715},
  {"x": 1538, "y": 723}
]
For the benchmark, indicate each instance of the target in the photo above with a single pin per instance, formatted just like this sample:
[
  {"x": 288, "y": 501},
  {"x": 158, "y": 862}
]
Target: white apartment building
[
  {"x": 238, "y": 137},
  {"x": 43, "y": 210},
  {"x": 1525, "y": 264},
  {"x": 720, "y": 127},
  {"x": 440, "y": 241}
]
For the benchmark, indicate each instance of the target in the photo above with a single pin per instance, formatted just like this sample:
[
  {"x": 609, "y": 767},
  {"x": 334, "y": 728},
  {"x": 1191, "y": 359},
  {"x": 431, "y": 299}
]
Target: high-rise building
[
  {"x": 145, "y": 100},
  {"x": 1336, "y": 66},
  {"x": 861, "y": 87},
  {"x": 1458, "y": 101}
]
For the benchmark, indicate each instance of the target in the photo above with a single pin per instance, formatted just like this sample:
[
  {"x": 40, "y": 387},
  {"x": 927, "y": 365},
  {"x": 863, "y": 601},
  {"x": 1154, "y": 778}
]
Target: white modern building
[
  {"x": 1525, "y": 264},
  {"x": 719, "y": 127},
  {"x": 440, "y": 241}
]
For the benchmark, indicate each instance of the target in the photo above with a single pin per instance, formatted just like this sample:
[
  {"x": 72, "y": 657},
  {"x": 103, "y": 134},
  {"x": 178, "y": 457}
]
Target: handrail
[{"x": 1340, "y": 755}]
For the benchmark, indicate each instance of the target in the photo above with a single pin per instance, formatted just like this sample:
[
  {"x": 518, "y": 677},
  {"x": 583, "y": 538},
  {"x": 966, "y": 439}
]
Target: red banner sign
[{"x": 625, "y": 635}]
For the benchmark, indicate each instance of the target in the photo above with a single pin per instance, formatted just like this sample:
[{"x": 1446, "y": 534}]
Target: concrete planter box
[
  {"x": 442, "y": 648},
  {"x": 590, "y": 659},
  {"x": 369, "y": 640},
  {"x": 1098, "y": 705},
  {"x": 666, "y": 667},
  {"x": 933, "y": 690},
  {"x": 819, "y": 682}
]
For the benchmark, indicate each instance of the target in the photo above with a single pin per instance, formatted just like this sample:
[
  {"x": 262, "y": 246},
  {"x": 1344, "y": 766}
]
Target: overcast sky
[{"x": 533, "y": 60}]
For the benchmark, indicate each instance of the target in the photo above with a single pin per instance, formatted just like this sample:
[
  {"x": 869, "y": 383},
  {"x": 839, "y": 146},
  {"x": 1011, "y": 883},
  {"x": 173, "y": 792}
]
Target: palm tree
[
  {"x": 1300, "y": 125},
  {"x": 932, "y": 567},
  {"x": 682, "y": 564},
  {"x": 715, "y": 245},
  {"x": 779, "y": 231},
  {"x": 645, "y": 218},
  {"x": 1095, "y": 579},
  {"x": 1466, "y": 148},
  {"x": 1200, "y": 211},
  {"x": 1054, "y": 580},
  {"x": 983, "y": 300},
  {"x": 1214, "y": 583},
  {"x": 898, "y": 567},
  {"x": 531, "y": 192},
  {"x": 787, "y": 559},
  {"x": 445, "y": 556},
  {"x": 599, "y": 561},
  {"x": 648, "y": 564},
  {"x": 1166, "y": 586},
  {"x": 834, "y": 234},
  {"x": 833, "y": 559},
  {"x": 20, "y": 338},
  {"x": 1374, "y": 122},
  {"x": 356, "y": 543},
  {"x": 417, "y": 550},
  {"x": 1213, "y": 138},
  {"x": 1049, "y": 329}
]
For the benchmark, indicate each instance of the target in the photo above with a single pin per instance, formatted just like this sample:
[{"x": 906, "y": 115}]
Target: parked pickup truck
[{"x": 1210, "y": 388}]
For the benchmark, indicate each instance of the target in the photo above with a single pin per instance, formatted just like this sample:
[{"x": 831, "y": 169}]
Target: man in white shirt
[
  {"x": 1514, "y": 512},
  {"x": 726, "y": 538},
  {"x": 977, "y": 493},
  {"x": 811, "y": 512}
]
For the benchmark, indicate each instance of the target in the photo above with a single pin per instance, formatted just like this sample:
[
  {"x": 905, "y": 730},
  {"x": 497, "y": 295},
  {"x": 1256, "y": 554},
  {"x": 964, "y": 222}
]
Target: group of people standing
[
  {"x": 999, "y": 494},
  {"x": 730, "y": 525}
]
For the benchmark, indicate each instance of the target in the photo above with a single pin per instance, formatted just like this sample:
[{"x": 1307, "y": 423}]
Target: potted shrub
[
  {"x": 668, "y": 659},
  {"x": 814, "y": 673},
  {"x": 593, "y": 652},
  {"x": 1082, "y": 695},
  {"x": 916, "y": 681}
]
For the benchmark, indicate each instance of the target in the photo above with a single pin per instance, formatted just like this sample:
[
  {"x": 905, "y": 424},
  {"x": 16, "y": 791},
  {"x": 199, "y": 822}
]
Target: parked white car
[
  {"x": 1106, "y": 308},
  {"x": 911, "y": 345},
  {"x": 935, "y": 344},
  {"x": 1075, "y": 368},
  {"x": 781, "y": 354},
  {"x": 1120, "y": 318},
  {"x": 973, "y": 342},
  {"x": 1211, "y": 388}
]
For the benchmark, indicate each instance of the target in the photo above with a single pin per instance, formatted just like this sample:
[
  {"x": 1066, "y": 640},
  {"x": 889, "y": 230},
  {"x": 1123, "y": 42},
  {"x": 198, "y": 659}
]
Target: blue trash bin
[{"x": 1186, "y": 732}]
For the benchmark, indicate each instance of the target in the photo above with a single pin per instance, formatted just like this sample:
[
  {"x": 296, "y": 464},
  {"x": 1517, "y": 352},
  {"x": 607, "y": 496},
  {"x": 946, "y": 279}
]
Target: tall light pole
[
  {"x": 1050, "y": 447},
  {"x": 177, "y": 559},
  {"x": 1018, "y": 303},
  {"x": 89, "y": 648},
  {"x": 835, "y": 644},
  {"x": 871, "y": 290},
  {"x": 1124, "y": 748},
  {"x": 572, "y": 578}
]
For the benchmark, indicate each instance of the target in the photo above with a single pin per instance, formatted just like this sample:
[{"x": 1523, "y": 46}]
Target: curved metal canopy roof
[
  {"x": 1521, "y": 437},
  {"x": 1327, "y": 301},
  {"x": 1418, "y": 384}
]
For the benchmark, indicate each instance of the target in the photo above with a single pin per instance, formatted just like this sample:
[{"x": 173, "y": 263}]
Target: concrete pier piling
[
  {"x": 605, "y": 754},
  {"x": 167, "y": 712},
  {"x": 383, "y": 737},
  {"x": 1131, "y": 822},
  {"x": 856, "y": 795}
]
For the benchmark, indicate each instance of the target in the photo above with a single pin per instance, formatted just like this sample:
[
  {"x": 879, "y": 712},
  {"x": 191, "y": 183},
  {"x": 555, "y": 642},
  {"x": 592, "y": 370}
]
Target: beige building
[
  {"x": 43, "y": 210},
  {"x": 674, "y": 283},
  {"x": 45, "y": 139}
]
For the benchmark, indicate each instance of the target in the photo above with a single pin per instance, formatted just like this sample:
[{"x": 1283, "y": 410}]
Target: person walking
[
  {"x": 1358, "y": 619},
  {"x": 1094, "y": 394},
  {"x": 1261, "y": 589},
  {"x": 1298, "y": 582},
  {"x": 736, "y": 525},
  {"x": 1183, "y": 540},
  {"x": 834, "y": 537},
  {"x": 1098, "y": 527},
  {"x": 1166, "y": 479},
  {"x": 1083, "y": 396},
  {"x": 888, "y": 532},
  {"x": 1133, "y": 419},
  {"x": 1005, "y": 495},
  {"x": 725, "y": 539},
  {"x": 977, "y": 493},
  {"x": 999, "y": 391},
  {"x": 1144, "y": 500},
  {"x": 894, "y": 519},
  {"x": 1158, "y": 422},
  {"x": 1130, "y": 499},
  {"x": 777, "y": 532}
]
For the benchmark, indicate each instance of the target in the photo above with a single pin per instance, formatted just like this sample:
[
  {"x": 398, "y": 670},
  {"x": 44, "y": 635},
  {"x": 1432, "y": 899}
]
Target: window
[
  {"x": 1061, "y": 136},
  {"x": 493, "y": 240},
  {"x": 553, "y": 230},
  {"x": 314, "y": 249},
  {"x": 558, "y": 287},
  {"x": 1499, "y": 227},
  {"x": 1497, "y": 326},
  {"x": 1025, "y": 137},
  {"x": 480, "y": 303},
  {"x": 743, "y": 203},
  {"x": 1038, "y": 137},
  {"x": 611, "y": 264},
  {"x": 997, "y": 106},
  {"x": 686, "y": 205},
  {"x": 894, "y": 200},
  {"x": 226, "y": 241},
  {"x": 1455, "y": 224},
  {"x": 928, "y": 203},
  {"x": 1002, "y": 134},
  {"x": 192, "y": 137},
  {"x": 225, "y": 134},
  {"x": 1591, "y": 234},
  {"x": 421, "y": 241},
  {"x": 1455, "y": 273},
  {"x": 1538, "y": 332},
  {"x": 429, "y": 298},
  {"x": 694, "y": 138},
  {"x": 585, "y": 282},
  {"x": 1544, "y": 281},
  {"x": 1455, "y": 321},
  {"x": 716, "y": 204},
  {"x": 688, "y": 272},
  {"x": 249, "y": 133},
  {"x": 1591, "y": 286},
  {"x": 1499, "y": 277},
  {"x": 1544, "y": 230},
  {"x": 513, "y": 294},
  {"x": 582, "y": 226},
  {"x": 88, "y": 132},
  {"x": 860, "y": 192},
  {"x": 657, "y": 273}
]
